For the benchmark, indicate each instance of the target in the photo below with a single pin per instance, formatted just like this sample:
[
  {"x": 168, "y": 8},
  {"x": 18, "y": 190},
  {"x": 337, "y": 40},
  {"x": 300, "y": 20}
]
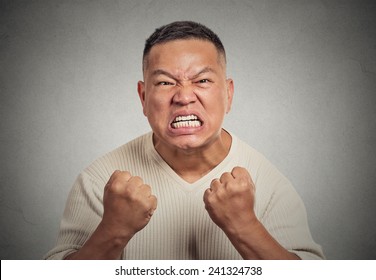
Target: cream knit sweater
[{"x": 180, "y": 227}]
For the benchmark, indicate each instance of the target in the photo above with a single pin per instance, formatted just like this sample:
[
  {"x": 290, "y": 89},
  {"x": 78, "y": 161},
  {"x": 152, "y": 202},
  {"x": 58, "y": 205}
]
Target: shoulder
[
  {"x": 258, "y": 165},
  {"x": 121, "y": 158},
  {"x": 268, "y": 179}
]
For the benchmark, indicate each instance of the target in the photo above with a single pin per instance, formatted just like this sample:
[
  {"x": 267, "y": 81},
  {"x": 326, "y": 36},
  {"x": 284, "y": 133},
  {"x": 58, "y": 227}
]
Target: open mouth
[{"x": 186, "y": 121}]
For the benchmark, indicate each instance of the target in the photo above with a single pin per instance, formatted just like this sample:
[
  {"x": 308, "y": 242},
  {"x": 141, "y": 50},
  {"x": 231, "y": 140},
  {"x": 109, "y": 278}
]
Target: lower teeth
[{"x": 186, "y": 124}]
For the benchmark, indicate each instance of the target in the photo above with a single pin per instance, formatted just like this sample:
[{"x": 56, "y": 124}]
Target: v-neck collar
[{"x": 205, "y": 180}]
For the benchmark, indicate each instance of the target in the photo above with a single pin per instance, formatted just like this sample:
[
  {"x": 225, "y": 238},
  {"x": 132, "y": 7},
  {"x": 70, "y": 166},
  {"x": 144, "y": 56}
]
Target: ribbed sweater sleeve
[{"x": 82, "y": 214}]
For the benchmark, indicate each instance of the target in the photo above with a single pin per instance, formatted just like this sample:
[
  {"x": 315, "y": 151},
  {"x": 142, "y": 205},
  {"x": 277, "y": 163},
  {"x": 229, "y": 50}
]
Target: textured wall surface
[{"x": 305, "y": 81}]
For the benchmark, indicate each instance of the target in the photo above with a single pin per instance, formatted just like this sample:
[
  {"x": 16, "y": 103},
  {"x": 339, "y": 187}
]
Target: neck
[{"x": 191, "y": 165}]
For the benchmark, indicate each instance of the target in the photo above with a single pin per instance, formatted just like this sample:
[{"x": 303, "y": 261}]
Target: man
[{"x": 217, "y": 197}]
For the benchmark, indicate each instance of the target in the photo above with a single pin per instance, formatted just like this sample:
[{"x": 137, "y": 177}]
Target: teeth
[
  {"x": 186, "y": 124},
  {"x": 186, "y": 118},
  {"x": 186, "y": 121}
]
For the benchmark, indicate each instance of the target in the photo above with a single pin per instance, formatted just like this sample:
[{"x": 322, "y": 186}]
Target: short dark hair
[{"x": 182, "y": 30}]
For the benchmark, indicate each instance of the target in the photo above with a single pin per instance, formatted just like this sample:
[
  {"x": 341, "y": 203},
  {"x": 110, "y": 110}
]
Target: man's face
[{"x": 185, "y": 94}]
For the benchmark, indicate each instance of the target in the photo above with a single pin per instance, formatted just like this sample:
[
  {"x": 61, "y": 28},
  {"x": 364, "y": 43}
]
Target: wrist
[
  {"x": 115, "y": 237},
  {"x": 102, "y": 244},
  {"x": 244, "y": 228}
]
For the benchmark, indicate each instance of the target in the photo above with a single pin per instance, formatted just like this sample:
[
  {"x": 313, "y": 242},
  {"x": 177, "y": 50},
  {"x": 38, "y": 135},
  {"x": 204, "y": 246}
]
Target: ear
[
  {"x": 141, "y": 94},
  {"x": 230, "y": 93}
]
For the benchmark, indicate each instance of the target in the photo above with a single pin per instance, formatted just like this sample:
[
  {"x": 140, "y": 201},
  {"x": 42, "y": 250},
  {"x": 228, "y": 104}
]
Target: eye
[
  {"x": 164, "y": 83},
  {"x": 203, "y": 81}
]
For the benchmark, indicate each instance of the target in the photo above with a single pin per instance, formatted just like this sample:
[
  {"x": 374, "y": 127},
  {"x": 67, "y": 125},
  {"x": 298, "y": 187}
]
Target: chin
[{"x": 187, "y": 142}]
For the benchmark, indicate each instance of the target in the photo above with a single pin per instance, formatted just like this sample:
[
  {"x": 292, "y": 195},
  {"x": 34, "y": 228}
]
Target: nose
[{"x": 184, "y": 95}]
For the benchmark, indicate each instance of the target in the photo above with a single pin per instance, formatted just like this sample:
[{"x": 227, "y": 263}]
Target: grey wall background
[{"x": 305, "y": 80}]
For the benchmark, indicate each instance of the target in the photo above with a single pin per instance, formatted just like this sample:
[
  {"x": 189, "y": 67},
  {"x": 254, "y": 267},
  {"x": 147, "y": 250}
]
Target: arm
[
  {"x": 230, "y": 204},
  {"x": 128, "y": 207},
  {"x": 103, "y": 244},
  {"x": 255, "y": 242}
]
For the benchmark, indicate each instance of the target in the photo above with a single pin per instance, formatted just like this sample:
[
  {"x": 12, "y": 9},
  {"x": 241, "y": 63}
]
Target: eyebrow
[{"x": 168, "y": 74}]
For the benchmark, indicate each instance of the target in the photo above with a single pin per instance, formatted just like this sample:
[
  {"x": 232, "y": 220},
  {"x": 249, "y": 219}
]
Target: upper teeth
[{"x": 185, "y": 118}]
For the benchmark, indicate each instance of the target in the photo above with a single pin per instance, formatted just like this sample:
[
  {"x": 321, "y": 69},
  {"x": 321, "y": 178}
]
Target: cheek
[
  {"x": 218, "y": 101},
  {"x": 154, "y": 106}
]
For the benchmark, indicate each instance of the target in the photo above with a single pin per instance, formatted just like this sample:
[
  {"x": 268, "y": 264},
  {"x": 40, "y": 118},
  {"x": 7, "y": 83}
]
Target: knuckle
[
  {"x": 206, "y": 195},
  {"x": 154, "y": 200},
  {"x": 215, "y": 184},
  {"x": 225, "y": 176},
  {"x": 117, "y": 171},
  {"x": 149, "y": 204},
  {"x": 126, "y": 175},
  {"x": 208, "y": 204},
  {"x": 212, "y": 198},
  {"x": 116, "y": 186},
  {"x": 146, "y": 187},
  {"x": 144, "y": 204},
  {"x": 136, "y": 180},
  {"x": 238, "y": 171}
]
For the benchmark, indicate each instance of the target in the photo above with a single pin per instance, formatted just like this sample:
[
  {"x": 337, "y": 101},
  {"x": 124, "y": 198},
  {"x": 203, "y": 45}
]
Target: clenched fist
[
  {"x": 128, "y": 207},
  {"x": 128, "y": 204},
  {"x": 230, "y": 201}
]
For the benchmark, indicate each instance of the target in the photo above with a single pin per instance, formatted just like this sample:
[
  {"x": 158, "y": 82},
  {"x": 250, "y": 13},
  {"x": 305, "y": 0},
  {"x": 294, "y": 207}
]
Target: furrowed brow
[
  {"x": 168, "y": 74},
  {"x": 163, "y": 72},
  {"x": 203, "y": 71}
]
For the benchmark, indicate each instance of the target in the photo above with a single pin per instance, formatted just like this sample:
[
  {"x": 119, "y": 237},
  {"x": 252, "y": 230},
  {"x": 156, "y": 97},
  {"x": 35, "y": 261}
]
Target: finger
[
  {"x": 207, "y": 194},
  {"x": 112, "y": 177},
  {"x": 126, "y": 175},
  {"x": 136, "y": 181},
  {"x": 146, "y": 190},
  {"x": 239, "y": 172},
  {"x": 215, "y": 185},
  {"x": 118, "y": 180},
  {"x": 123, "y": 176},
  {"x": 154, "y": 203},
  {"x": 227, "y": 176},
  {"x": 243, "y": 177}
]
